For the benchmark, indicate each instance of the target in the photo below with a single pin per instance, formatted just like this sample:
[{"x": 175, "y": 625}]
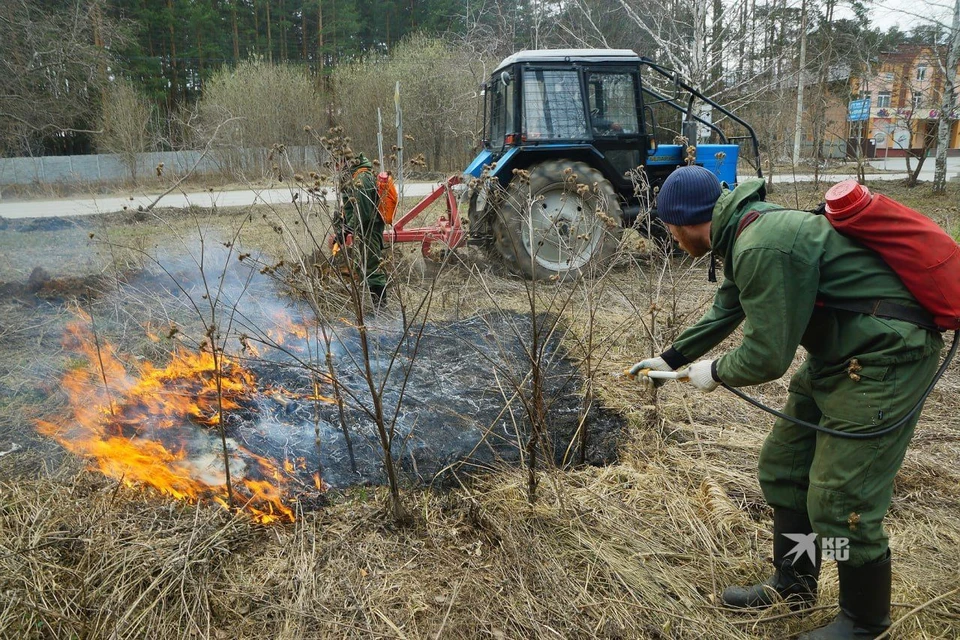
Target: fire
[
  {"x": 285, "y": 328},
  {"x": 160, "y": 426}
]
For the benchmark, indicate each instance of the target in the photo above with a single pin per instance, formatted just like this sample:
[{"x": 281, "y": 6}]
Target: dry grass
[{"x": 639, "y": 549}]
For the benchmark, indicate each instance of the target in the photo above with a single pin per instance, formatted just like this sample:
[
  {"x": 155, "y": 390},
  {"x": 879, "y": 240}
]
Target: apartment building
[{"x": 905, "y": 104}]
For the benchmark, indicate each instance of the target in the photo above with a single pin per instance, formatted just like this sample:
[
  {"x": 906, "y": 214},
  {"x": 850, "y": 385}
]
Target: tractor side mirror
[
  {"x": 651, "y": 119},
  {"x": 505, "y": 78}
]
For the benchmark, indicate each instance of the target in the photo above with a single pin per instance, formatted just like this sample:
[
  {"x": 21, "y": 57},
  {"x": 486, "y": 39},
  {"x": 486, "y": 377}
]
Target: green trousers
[
  {"x": 845, "y": 486},
  {"x": 367, "y": 254}
]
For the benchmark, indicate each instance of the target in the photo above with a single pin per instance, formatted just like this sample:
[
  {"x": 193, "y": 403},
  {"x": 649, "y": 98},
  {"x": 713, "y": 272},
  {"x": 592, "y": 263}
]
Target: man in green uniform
[
  {"x": 785, "y": 275},
  {"x": 362, "y": 219}
]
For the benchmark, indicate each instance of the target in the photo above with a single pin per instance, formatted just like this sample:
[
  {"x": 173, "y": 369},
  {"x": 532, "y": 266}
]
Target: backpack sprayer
[{"x": 922, "y": 254}]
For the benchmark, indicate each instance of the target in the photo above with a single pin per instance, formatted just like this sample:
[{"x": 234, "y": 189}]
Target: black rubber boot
[
  {"x": 795, "y": 574},
  {"x": 378, "y": 295},
  {"x": 864, "y": 603}
]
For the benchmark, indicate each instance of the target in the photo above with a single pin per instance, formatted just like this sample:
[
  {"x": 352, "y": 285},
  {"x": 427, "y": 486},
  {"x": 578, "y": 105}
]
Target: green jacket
[
  {"x": 362, "y": 218},
  {"x": 360, "y": 197},
  {"x": 781, "y": 265}
]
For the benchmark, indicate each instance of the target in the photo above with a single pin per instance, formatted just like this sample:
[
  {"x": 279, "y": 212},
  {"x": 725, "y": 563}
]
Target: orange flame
[
  {"x": 136, "y": 428},
  {"x": 284, "y": 328}
]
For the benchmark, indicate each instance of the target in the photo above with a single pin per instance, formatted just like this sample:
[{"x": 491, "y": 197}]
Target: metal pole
[
  {"x": 380, "y": 138},
  {"x": 396, "y": 102},
  {"x": 798, "y": 124},
  {"x": 886, "y": 147}
]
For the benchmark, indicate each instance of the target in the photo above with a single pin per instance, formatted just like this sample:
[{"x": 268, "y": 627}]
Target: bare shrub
[
  {"x": 326, "y": 279},
  {"x": 438, "y": 96},
  {"x": 270, "y": 104},
  {"x": 125, "y": 124}
]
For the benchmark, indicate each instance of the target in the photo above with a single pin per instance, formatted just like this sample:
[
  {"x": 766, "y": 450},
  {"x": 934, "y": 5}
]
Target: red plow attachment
[{"x": 448, "y": 229}]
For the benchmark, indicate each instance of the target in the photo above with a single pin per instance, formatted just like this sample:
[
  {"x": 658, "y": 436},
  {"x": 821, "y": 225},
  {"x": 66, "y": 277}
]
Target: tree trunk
[
  {"x": 716, "y": 47},
  {"x": 283, "y": 32},
  {"x": 256, "y": 25},
  {"x": 820, "y": 119},
  {"x": 319, "y": 38},
  {"x": 175, "y": 80},
  {"x": 751, "y": 24},
  {"x": 926, "y": 143},
  {"x": 303, "y": 35},
  {"x": 700, "y": 71},
  {"x": 269, "y": 34},
  {"x": 798, "y": 130},
  {"x": 946, "y": 103},
  {"x": 199, "y": 87},
  {"x": 97, "y": 19},
  {"x": 236, "y": 32}
]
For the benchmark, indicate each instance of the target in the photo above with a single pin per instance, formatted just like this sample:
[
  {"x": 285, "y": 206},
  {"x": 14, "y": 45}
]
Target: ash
[{"x": 452, "y": 398}]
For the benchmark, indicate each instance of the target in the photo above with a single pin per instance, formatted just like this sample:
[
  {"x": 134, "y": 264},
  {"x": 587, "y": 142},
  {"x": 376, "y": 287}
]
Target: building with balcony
[{"x": 905, "y": 104}]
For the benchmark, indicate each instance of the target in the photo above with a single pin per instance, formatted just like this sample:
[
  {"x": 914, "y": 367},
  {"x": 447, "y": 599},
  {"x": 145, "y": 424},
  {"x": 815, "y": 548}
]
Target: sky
[{"x": 905, "y": 13}]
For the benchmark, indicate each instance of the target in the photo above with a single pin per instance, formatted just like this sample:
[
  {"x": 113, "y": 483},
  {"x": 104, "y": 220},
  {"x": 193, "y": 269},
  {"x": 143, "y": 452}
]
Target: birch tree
[{"x": 948, "y": 101}]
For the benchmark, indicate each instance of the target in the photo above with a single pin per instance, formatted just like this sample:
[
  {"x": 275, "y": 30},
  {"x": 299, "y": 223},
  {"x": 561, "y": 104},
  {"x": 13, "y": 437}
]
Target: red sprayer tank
[{"x": 925, "y": 257}]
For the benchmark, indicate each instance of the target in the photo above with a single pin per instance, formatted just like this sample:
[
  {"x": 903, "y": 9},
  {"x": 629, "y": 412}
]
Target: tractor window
[
  {"x": 553, "y": 105},
  {"x": 613, "y": 105},
  {"x": 497, "y": 120},
  {"x": 501, "y": 112}
]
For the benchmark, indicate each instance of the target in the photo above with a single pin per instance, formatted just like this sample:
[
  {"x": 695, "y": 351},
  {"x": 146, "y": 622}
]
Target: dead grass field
[{"x": 639, "y": 549}]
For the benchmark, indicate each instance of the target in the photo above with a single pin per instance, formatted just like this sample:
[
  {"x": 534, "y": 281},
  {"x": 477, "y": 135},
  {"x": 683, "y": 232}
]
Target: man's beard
[{"x": 696, "y": 245}]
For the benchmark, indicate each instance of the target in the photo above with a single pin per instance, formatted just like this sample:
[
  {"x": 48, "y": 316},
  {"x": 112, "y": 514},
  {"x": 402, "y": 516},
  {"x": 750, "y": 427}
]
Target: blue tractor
[{"x": 576, "y": 143}]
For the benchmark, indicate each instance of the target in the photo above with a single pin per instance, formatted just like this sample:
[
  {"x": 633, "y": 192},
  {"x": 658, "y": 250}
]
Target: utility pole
[
  {"x": 236, "y": 32},
  {"x": 380, "y": 139}
]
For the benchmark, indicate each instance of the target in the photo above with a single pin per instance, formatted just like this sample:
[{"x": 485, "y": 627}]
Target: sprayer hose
[{"x": 856, "y": 436}]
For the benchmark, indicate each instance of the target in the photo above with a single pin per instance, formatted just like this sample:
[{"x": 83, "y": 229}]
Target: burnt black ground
[{"x": 458, "y": 408}]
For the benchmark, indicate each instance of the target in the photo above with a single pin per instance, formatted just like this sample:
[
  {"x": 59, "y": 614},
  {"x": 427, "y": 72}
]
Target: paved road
[
  {"x": 78, "y": 207},
  {"x": 87, "y": 206},
  {"x": 926, "y": 172}
]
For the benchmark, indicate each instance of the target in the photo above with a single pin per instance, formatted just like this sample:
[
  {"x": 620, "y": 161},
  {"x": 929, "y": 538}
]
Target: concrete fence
[{"x": 111, "y": 167}]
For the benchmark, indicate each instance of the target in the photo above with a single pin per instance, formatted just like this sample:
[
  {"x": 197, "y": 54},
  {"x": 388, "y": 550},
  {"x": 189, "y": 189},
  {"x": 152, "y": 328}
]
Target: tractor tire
[{"x": 560, "y": 218}]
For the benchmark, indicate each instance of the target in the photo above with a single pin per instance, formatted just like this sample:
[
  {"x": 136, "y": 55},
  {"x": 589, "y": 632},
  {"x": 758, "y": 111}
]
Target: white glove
[
  {"x": 657, "y": 364},
  {"x": 701, "y": 375}
]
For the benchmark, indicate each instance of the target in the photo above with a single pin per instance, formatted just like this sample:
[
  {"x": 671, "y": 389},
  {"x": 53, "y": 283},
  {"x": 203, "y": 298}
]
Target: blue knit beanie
[{"x": 688, "y": 196}]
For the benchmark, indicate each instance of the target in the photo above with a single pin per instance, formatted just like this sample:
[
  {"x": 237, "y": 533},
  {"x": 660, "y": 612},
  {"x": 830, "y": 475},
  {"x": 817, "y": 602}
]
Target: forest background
[{"x": 88, "y": 76}]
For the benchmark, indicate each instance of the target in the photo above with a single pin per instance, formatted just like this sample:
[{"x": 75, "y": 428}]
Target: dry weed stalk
[
  {"x": 333, "y": 285},
  {"x": 211, "y": 307},
  {"x": 547, "y": 304}
]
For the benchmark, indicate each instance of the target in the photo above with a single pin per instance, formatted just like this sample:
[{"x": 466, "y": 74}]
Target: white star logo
[{"x": 806, "y": 543}]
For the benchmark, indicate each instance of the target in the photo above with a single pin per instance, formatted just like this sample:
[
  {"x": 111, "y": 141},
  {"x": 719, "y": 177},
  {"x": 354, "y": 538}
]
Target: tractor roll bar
[
  {"x": 661, "y": 99},
  {"x": 674, "y": 76}
]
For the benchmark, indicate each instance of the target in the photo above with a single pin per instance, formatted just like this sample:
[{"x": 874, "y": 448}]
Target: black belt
[{"x": 884, "y": 309}]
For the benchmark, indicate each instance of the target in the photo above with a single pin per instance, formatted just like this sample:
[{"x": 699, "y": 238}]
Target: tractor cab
[{"x": 582, "y": 102}]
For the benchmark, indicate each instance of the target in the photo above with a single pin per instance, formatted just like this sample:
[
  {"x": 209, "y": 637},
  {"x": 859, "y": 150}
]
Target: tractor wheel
[{"x": 557, "y": 219}]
